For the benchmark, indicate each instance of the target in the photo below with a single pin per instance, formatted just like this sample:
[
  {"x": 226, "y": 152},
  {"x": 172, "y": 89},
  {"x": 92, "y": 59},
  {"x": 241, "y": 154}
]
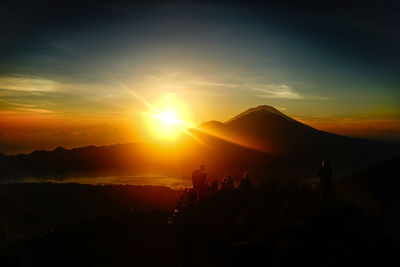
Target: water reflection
[{"x": 173, "y": 182}]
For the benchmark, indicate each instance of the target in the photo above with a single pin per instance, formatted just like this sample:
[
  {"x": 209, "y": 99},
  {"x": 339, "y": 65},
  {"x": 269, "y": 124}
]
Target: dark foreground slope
[
  {"x": 273, "y": 224},
  {"x": 33, "y": 209},
  {"x": 376, "y": 188}
]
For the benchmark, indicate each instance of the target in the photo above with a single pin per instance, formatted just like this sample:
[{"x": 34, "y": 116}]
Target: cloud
[
  {"x": 214, "y": 84},
  {"x": 35, "y": 110},
  {"x": 276, "y": 91},
  {"x": 235, "y": 84},
  {"x": 314, "y": 97},
  {"x": 27, "y": 84}
]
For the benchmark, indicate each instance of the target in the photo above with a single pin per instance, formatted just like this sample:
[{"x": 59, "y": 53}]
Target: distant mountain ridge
[
  {"x": 260, "y": 140},
  {"x": 267, "y": 129},
  {"x": 262, "y": 108}
]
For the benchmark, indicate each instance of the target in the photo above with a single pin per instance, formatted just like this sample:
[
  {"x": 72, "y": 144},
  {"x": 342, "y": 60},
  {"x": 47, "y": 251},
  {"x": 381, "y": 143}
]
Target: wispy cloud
[
  {"x": 33, "y": 96},
  {"x": 36, "y": 110},
  {"x": 235, "y": 84},
  {"x": 214, "y": 84},
  {"x": 27, "y": 84},
  {"x": 276, "y": 91}
]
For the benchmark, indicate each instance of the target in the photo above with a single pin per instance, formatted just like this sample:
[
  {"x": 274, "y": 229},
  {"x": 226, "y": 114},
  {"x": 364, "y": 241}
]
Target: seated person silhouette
[
  {"x": 227, "y": 184},
  {"x": 213, "y": 188},
  {"x": 188, "y": 198}
]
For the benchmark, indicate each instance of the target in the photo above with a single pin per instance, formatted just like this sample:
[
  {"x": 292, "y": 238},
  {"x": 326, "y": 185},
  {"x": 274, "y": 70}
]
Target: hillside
[{"x": 375, "y": 188}]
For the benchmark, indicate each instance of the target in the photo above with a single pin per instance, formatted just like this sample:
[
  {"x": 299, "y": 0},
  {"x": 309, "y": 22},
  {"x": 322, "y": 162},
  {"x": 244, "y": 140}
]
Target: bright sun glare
[{"x": 169, "y": 118}]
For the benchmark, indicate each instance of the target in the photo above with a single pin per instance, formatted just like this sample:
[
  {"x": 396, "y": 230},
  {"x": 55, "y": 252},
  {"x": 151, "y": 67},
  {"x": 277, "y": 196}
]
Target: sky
[{"x": 87, "y": 72}]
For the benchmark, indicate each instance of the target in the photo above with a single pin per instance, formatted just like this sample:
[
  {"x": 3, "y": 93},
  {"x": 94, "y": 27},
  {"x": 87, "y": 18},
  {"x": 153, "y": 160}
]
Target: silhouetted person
[
  {"x": 227, "y": 184},
  {"x": 199, "y": 180},
  {"x": 188, "y": 198},
  {"x": 245, "y": 182},
  {"x": 325, "y": 174},
  {"x": 192, "y": 196},
  {"x": 213, "y": 188}
]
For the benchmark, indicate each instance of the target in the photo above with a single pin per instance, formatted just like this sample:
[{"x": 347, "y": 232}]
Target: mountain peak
[
  {"x": 263, "y": 109},
  {"x": 266, "y": 108}
]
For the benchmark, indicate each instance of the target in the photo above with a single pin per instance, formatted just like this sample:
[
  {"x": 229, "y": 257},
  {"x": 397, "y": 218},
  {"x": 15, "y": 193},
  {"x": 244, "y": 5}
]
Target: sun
[
  {"x": 165, "y": 124},
  {"x": 168, "y": 119}
]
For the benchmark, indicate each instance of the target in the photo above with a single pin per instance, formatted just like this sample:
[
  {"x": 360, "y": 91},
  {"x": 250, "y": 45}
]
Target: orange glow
[
  {"x": 234, "y": 139},
  {"x": 170, "y": 117},
  {"x": 358, "y": 127}
]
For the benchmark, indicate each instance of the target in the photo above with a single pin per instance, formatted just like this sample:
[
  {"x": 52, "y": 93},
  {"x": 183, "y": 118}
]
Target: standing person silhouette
[
  {"x": 199, "y": 180},
  {"x": 325, "y": 174},
  {"x": 245, "y": 182}
]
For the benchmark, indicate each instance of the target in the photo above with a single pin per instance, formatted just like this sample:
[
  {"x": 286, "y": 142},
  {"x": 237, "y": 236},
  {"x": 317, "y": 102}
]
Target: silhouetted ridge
[
  {"x": 267, "y": 129},
  {"x": 59, "y": 149},
  {"x": 261, "y": 109},
  {"x": 264, "y": 128},
  {"x": 262, "y": 117}
]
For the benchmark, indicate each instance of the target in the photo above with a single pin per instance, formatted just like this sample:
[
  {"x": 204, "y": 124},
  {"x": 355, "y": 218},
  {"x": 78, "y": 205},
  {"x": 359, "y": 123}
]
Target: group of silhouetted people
[{"x": 202, "y": 188}]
